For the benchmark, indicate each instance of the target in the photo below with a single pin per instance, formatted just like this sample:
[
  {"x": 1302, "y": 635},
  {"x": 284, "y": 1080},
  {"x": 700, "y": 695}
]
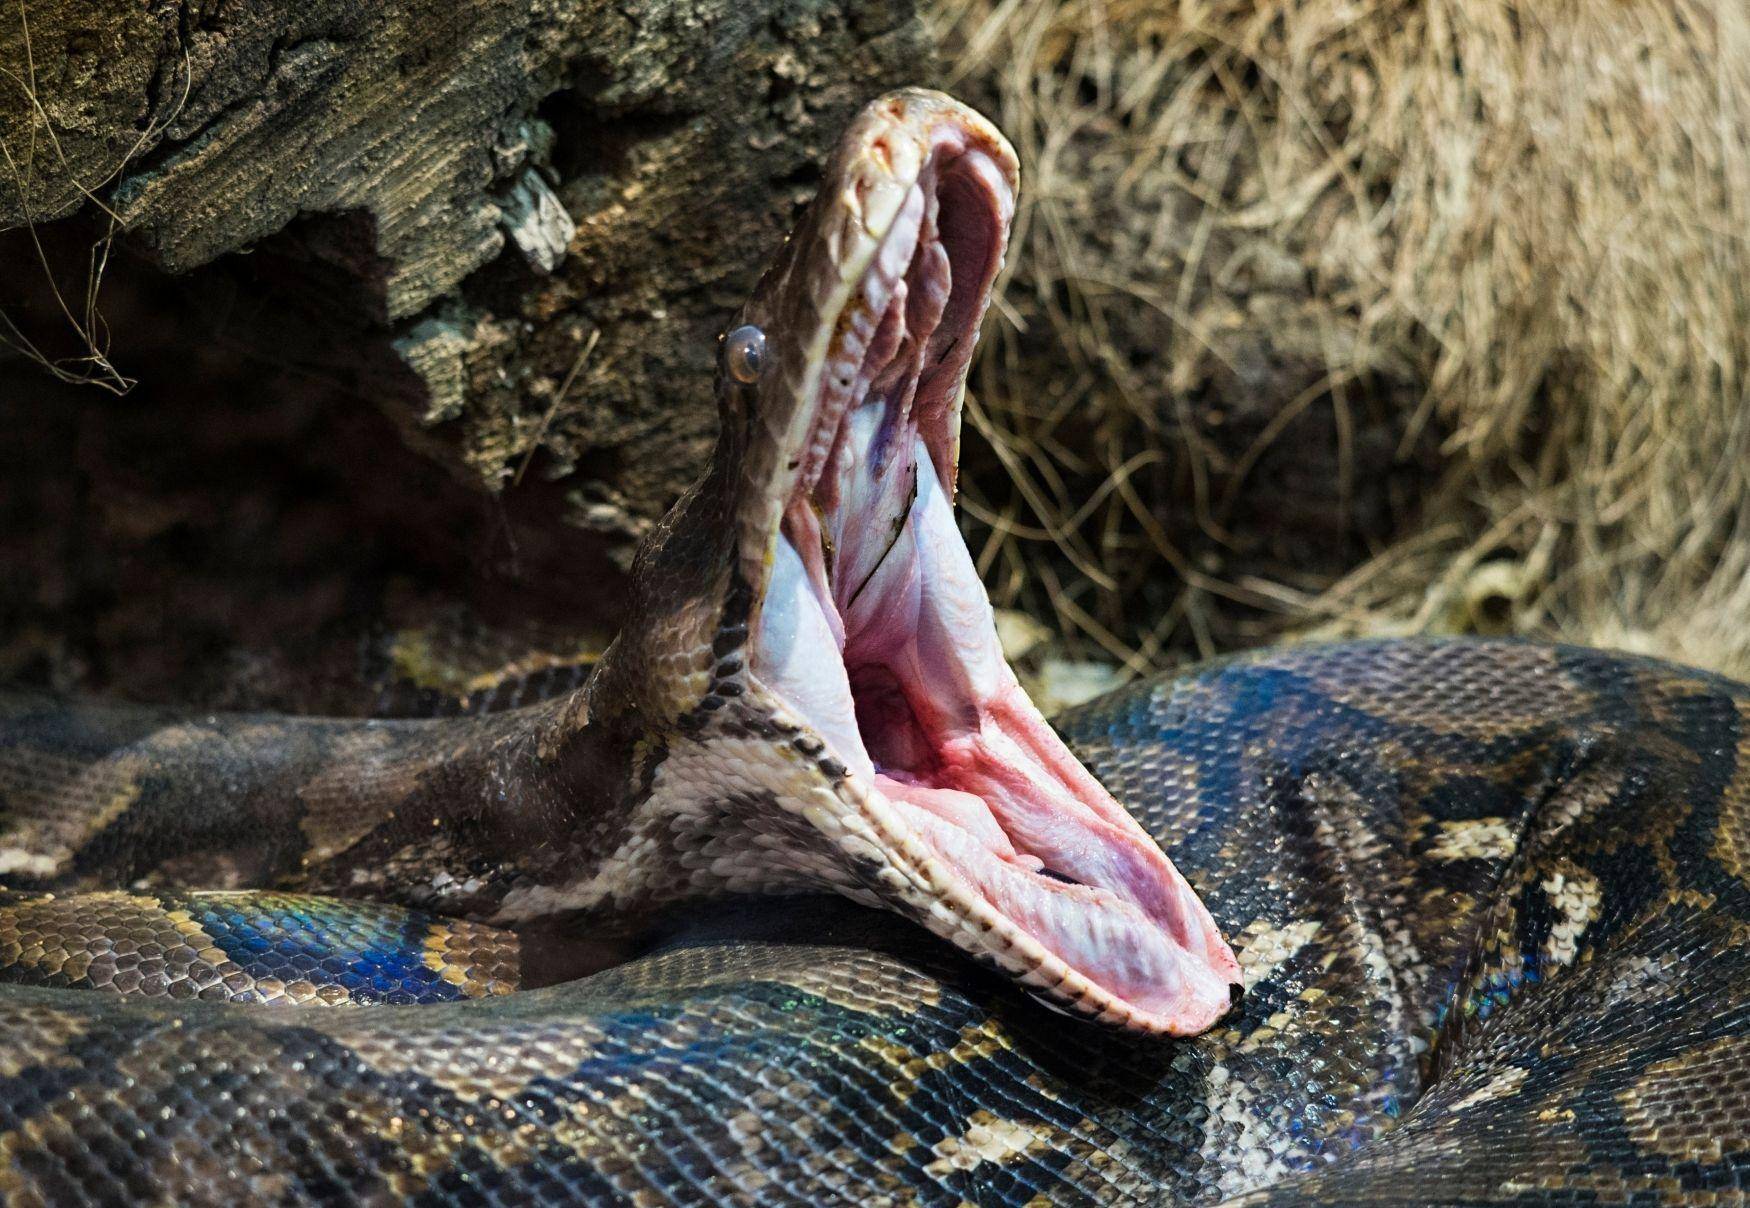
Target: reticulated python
[{"x": 1488, "y": 900}]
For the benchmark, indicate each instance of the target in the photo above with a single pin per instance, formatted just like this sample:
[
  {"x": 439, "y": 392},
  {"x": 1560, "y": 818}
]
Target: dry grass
[{"x": 1515, "y": 232}]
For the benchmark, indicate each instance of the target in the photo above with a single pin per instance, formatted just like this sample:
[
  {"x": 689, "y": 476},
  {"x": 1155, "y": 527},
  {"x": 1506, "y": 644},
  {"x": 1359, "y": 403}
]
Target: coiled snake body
[{"x": 1488, "y": 900}]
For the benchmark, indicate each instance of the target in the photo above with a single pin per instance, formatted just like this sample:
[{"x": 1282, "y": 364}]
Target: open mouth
[{"x": 876, "y": 630}]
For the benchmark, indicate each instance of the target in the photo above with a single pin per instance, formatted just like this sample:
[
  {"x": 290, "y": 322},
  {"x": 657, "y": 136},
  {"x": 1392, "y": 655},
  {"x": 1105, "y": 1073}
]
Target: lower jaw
[
  {"x": 965, "y": 903},
  {"x": 1124, "y": 924},
  {"x": 979, "y": 802}
]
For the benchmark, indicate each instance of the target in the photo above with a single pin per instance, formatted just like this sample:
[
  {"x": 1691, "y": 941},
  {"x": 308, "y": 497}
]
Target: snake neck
[
  {"x": 574, "y": 811},
  {"x": 459, "y": 815}
]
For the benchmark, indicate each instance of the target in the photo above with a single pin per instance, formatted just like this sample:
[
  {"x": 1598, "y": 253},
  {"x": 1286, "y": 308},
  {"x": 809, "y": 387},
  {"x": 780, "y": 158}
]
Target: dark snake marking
[{"x": 1490, "y": 899}]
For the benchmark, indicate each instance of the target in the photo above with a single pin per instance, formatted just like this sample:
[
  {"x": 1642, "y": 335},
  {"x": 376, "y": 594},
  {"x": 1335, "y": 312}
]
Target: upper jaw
[
  {"x": 814, "y": 307},
  {"x": 957, "y": 804}
]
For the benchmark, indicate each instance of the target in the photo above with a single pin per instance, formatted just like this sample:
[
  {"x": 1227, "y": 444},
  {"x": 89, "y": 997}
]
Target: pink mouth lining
[{"x": 877, "y": 630}]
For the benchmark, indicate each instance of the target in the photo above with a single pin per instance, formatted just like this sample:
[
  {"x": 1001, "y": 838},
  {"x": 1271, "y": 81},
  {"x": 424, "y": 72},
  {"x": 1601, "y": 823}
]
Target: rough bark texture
[
  {"x": 513, "y": 228},
  {"x": 660, "y": 143},
  {"x": 210, "y": 127}
]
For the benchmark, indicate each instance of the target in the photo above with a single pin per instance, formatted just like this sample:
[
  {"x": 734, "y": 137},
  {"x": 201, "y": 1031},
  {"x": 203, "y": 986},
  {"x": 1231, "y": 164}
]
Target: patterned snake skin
[{"x": 1492, "y": 901}]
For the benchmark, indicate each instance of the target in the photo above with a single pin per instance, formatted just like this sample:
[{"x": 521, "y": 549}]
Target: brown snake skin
[{"x": 1490, "y": 900}]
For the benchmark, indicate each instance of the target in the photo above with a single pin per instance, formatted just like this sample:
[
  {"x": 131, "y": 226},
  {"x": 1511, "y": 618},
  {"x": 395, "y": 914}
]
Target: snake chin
[{"x": 876, "y": 632}]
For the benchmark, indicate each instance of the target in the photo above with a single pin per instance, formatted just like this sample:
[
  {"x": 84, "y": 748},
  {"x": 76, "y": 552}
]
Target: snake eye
[{"x": 744, "y": 353}]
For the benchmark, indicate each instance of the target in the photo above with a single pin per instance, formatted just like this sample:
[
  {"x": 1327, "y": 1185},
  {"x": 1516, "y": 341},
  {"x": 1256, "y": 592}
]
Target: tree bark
[
  {"x": 512, "y": 227},
  {"x": 520, "y": 179}
]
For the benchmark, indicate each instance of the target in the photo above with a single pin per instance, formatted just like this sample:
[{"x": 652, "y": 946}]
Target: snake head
[{"x": 843, "y": 695}]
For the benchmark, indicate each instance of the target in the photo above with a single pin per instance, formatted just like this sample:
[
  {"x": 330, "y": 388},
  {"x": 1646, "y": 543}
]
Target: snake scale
[{"x": 1488, "y": 902}]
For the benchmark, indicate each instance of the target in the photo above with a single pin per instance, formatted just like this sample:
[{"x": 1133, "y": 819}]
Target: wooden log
[{"x": 498, "y": 184}]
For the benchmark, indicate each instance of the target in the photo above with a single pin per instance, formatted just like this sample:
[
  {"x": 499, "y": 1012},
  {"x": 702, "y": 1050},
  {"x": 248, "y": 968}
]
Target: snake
[{"x": 800, "y": 900}]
